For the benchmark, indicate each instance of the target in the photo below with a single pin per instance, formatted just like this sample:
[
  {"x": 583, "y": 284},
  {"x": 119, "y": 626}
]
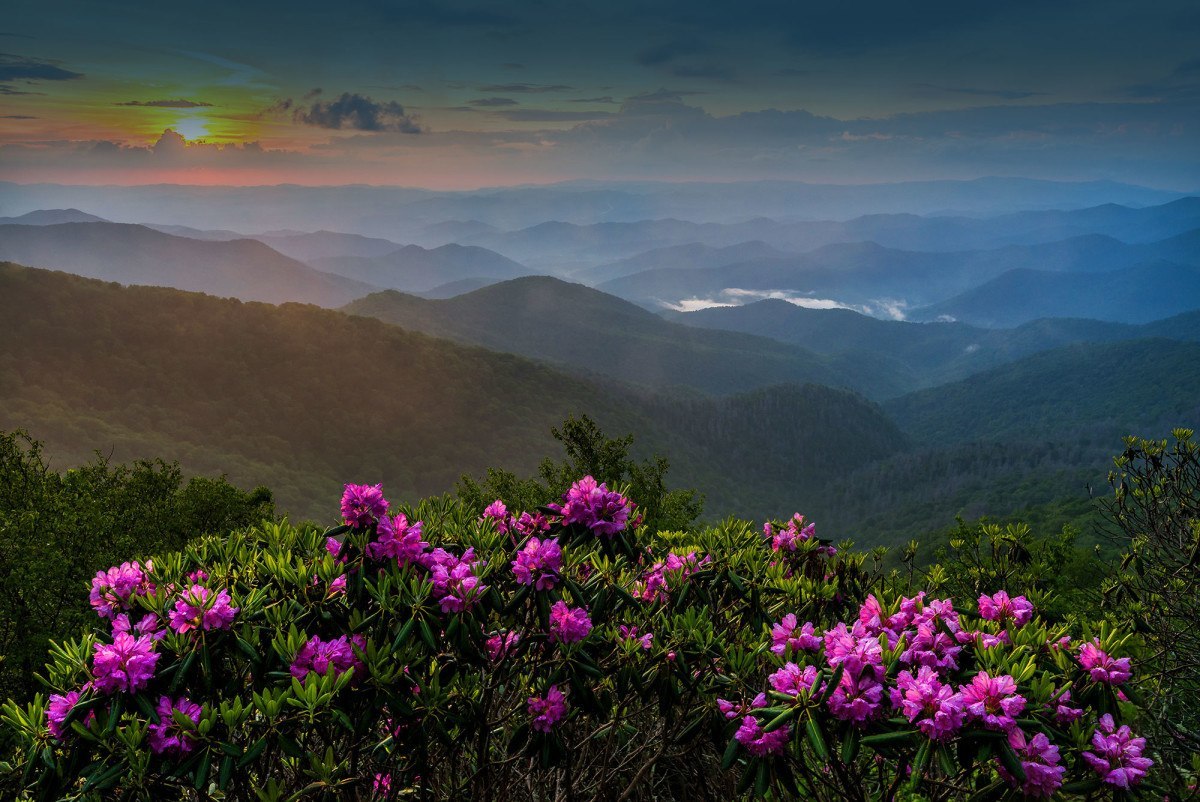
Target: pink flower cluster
[
  {"x": 1039, "y": 759},
  {"x": 397, "y": 539},
  {"x": 788, "y": 635},
  {"x": 497, "y": 513},
  {"x": 200, "y": 608},
  {"x": 630, "y": 633},
  {"x": 1116, "y": 755},
  {"x": 317, "y": 656},
  {"x": 113, "y": 589},
  {"x": 363, "y": 505},
  {"x": 1000, "y": 607},
  {"x": 59, "y": 708},
  {"x": 546, "y": 711},
  {"x": 925, "y": 701},
  {"x": 500, "y": 645},
  {"x": 539, "y": 563},
  {"x": 653, "y": 585},
  {"x": 127, "y": 664},
  {"x": 569, "y": 624},
  {"x": 789, "y": 538},
  {"x": 455, "y": 584},
  {"x": 759, "y": 742},
  {"x": 593, "y": 505},
  {"x": 1101, "y": 666},
  {"x": 167, "y": 737},
  {"x": 993, "y": 701}
]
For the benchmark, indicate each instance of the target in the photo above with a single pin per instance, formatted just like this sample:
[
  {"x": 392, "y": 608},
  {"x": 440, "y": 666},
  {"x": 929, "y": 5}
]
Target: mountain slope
[
  {"x": 416, "y": 269},
  {"x": 588, "y": 332},
  {"x": 303, "y": 399},
  {"x": 327, "y": 244},
  {"x": 131, "y": 254},
  {"x": 51, "y": 217},
  {"x": 1107, "y": 390},
  {"x": 1138, "y": 295}
]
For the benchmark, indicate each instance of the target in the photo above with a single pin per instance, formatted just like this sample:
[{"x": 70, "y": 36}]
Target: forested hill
[
  {"x": 303, "y": 399},
  {"x": 585, "y": 330}
]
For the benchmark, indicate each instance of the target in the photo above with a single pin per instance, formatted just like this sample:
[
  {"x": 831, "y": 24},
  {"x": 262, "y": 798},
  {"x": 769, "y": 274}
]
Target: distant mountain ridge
[
  {"x": 412, "y": 268},
  {"x": 132, "y": 254},
  {"x": 50, "y": 217}
]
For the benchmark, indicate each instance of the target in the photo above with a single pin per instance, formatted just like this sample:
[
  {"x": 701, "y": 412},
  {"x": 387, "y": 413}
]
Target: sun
[{"x": 192, "y": 128}]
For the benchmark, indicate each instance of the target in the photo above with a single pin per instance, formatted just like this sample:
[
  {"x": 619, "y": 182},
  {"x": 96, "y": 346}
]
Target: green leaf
[
  {"x": 730, "y": 755},
  {"x": 816, "y": 738}
]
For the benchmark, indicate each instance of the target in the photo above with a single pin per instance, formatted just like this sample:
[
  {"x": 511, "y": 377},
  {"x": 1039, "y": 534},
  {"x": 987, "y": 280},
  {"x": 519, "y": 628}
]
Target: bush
[
  {"x": 58, "y": 529},
  {"x": 567, "y": 652}
]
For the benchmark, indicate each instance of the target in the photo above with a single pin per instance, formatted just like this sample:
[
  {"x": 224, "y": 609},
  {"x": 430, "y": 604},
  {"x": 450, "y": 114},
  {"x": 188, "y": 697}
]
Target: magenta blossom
[
  {"x": 147, "y": 625},
  {"x": 200, "y": 608},
  {"x": 1101, "y": 666},
  {"x": 567, "y": 624},
  {"x": 548, "y": 710},
  {"x": 317, "y": 656},
  {"x": 1064, "y": 713},
  {"x": 538, "y": 563},
  {"x": 759, "y": 743},
  {"x": 856, "y": 699},
  {"x": 932, "y": 647},
  {"x": 1117, "y": 755},
  {"x": 791, "y": 679},
  {"x": 860, "y": 652},
  {"x": 993, "y": 700},
  {"x": 791, "y": 536},
  {"x": 1000, "y": 607},
  {"x": 925, "y": 701},
  {"x": 59, "y": 708},
  {"x": 455, "y": 584},
  {"x": 629, "y": 633},
  {"x": 787, "y": 635},
  {"x": 126, "y": 664},
  {"x": 500, "y": 645},
  {"x": 363, "y": 505},
  {"x": 594, "y": 506},
  {"x": 732, "y": 711},
  {"x": 113, "y": 589},
  {"x": 167, "y": 737},
  {"x": 1039, "y": 759},
  {"x": 534, "y": 524},
  {"x": 397, "y": 539},
  {"x": 497, "y": 513}
]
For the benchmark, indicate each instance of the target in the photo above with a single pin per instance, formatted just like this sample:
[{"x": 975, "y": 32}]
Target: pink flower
[
  {"x": 455, "y": 585},
  {"x": 1000, "y": 607},
  {"x": 791, "y": 679},
  {"x": 381, "y": 786},
  {"x": 1117, "y": 755},
  {"x": 199, "y": 608},
  {"x": 112, "y": 589},
  {"x": 790, "y": 537},
  {"x": 548, "y": 710},
  {"x": 167, "y": 737},
  {"x": 759, "y": 743},
  {"x": 594, "y": 506},
  {"x": 732, "y": 711},
  {"x": 856, "y": 699},
  {"x": 531, "y": 524},
  {"x": 1039, "y": 759},
  {"x": 860, "y": 652},
  {"x": 631, "y": 633},
  {"x": 363, "y": 505},
  {"x": 993, "y": 700},
  {"x": 1064, "y": 714},
  {"x": 500, "y": 646},
  {"x": 1101, "y": 666},
  {"x": 785, "y": 635},
  {"x": 538, "y": 563},
  {"x": 397, "y": 539},
  {"x": 569, "y": 625},
  {"x": 497, "y": 513},
  {"x": 126, "y": 664},
  {"x": 317, "y": 656},
  {"x": 925, "y": 701},
  {"x": 59, "y": 708},
  {"x": 932, "y": 647}
]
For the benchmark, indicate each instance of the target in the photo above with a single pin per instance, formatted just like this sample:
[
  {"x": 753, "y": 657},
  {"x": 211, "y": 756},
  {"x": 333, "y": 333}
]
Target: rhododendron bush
[{"x": 565, "y": 652}]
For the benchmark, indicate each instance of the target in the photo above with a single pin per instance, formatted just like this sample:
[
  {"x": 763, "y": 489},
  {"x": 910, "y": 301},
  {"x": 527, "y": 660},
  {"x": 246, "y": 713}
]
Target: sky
[{"x": 463, "y": 94}]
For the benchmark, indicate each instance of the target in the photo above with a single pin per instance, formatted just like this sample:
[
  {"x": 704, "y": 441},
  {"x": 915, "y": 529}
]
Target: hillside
[
  {"x": 51, "y": 217},
  {"x": 132, "y": 254},
  {"x": 588, "y": 332},
  {"x": 304, "y": 399},
  {"x": 935, "y": 352},
  {"x": 1136, "y": 295},
  {"x": 1096, "y": 391},
  {"x": 416, "y": 269}
]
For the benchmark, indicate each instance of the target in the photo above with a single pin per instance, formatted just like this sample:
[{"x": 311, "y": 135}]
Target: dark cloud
[
  {"x": 670, "y": 95},
  {"x": 18, "y": 117},
  {"x": 1003, "y": 94},
  {"x": 312, "y": 93},
  {"x": 21, "y": 68},
  {"x": 605, "y": 99},
  {"x": 490, "y": 102},
  {"x": 669, "y": 51},
  {"x": 508, "y": 89},
  {"x": 551, "y": 115},
  {"x": 179, "y": 103},
  {"x": 353, "y": 112}
]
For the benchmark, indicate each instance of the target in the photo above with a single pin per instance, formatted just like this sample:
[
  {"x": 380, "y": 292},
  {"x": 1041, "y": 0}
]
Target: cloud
[
  {"x": 167, "y": 104},
  {"x": 551, "y": 115},
  {"x": 670, "y": 95},
  {"x": 17, "y": 117},
  {"x": 508, "y": 89},
  {"x": 491, "y": 102},
  {"x": 21, "y": 68},
  {"x": 1003, "y": 94},
  {"x": 351, "y": 111},
  {"x": 605, "y": 99}
]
